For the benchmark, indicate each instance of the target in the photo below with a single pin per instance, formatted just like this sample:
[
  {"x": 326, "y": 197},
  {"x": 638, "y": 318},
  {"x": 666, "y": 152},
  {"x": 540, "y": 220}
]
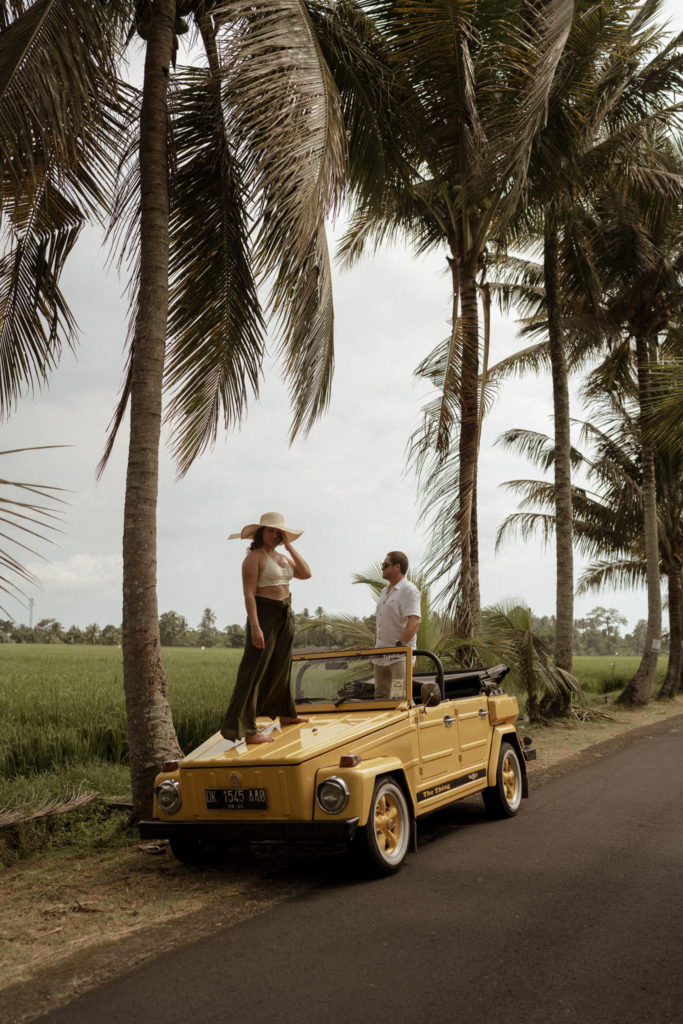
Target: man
[{"x": 397, "y": 620}]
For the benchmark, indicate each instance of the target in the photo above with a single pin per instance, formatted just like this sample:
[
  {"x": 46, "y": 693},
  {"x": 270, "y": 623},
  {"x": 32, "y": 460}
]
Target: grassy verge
[{"x": 63, "y": 733}]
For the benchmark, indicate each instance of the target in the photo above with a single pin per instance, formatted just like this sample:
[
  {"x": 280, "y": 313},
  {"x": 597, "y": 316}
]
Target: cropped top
[{"x": 274, "y": 574}]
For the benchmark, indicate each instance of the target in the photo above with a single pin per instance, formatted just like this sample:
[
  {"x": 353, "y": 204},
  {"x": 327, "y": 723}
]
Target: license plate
[{"x": 236, "y": 799}]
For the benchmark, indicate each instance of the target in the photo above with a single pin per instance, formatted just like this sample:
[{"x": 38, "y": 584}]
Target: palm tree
[
  {"x": 271, "y": 154},
  {"x": 608, "y": 521},
  {"x": 639, "y": 249},
  {"x": 258, "y": 135},
  {"x": 614, "y": 83},
  {"x": 151, "y": 735},
  {"x": 507, "y": 636},
  {"x": 613, "y": 526},
  {"x": 442, "y": 103}
]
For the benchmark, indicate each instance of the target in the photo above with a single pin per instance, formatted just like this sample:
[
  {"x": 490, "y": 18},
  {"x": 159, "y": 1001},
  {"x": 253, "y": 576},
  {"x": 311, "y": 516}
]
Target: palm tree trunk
[
  {"x": 672, "y": 680},
  {"x": 639, "y": 690},
  {"x": 151, "y": 735},
  {"x": 564, "y": 552},
  {"x": 467, "y": 608}
]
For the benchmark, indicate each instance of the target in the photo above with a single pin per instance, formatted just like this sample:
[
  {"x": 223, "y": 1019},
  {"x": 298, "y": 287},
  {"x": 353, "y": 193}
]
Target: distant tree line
[
  {"x": 50, "y": 631},
  {"x": 598, "y": 633},
  {"x": 312, "y": 630}
]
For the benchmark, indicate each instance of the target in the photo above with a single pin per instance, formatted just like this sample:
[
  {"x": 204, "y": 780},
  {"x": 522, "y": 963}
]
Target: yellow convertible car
[{"x": 362, "y": 769}]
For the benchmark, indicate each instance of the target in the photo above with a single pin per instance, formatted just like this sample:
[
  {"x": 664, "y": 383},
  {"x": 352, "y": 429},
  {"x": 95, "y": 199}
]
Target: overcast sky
[{"x": 345, "y": 485}]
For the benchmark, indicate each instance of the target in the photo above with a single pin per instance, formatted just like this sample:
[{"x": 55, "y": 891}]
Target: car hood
[{"x": 295, "y": 743}]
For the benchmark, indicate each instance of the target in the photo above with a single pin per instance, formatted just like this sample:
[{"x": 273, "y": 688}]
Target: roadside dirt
[{"x": 72, "y": 920}]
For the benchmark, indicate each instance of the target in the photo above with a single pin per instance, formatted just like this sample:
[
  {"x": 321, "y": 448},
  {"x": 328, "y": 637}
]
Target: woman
[{"x": 262, "y": 685}]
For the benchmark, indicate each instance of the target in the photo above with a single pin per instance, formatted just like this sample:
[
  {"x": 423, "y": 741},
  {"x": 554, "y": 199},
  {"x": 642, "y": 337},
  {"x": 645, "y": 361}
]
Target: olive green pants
[{"x": 262, "y": 684}]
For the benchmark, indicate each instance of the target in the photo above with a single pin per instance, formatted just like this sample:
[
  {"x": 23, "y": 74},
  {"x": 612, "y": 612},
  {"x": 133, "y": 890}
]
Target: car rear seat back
[{"x": 456, "y": 684}]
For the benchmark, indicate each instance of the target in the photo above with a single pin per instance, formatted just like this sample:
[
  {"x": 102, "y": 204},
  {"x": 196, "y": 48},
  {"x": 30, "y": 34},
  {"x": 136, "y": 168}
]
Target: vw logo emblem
[{"x": 235, "y": 779}]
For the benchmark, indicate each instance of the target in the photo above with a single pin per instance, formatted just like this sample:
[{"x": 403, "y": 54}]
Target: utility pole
[{"x": 30, "y": 612}]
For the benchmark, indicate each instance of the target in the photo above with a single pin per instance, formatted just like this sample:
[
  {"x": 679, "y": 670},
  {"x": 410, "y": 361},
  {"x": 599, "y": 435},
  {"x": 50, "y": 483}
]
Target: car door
[
  {"x": 474, "y": 731},
  {"x": 437, "y": 731}
]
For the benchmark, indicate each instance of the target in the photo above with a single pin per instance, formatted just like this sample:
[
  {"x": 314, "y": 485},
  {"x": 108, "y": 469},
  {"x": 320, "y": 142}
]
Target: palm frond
[
  {"x": 29, "y": 512},
  {"x": 35, "y": 320},
  {"x": 624, "y": 575},
  {"x": 354, "y": 631},
  {"x": 433, "y": 439},
  {"x": 532, "y": 359},
  {"x": 215, "y": 326},
  {"x": 527, "y": 525},
  {"x": 372, "y": 89},
  {"x": 58, "y": 95},
  {"x": 506, "y": 636},
  {"x": 123, "y": 233},
  {"x": 286, "y": 113},
  {"x": 665, "y": 420},
  {"x": 539, "y": 43}
]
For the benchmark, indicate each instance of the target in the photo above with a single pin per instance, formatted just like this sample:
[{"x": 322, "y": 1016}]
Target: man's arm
[{"x": 410, "y": 628}]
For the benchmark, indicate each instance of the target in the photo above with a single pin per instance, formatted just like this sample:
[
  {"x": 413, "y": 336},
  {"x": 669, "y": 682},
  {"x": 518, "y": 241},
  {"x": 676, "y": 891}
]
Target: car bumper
[{"x": 236, "y": 831}]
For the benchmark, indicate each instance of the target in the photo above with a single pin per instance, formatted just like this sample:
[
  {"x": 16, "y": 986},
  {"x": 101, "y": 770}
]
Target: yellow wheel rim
[
  {"x": 387, "y": 823},
  {"x": 510, "y": 779}
]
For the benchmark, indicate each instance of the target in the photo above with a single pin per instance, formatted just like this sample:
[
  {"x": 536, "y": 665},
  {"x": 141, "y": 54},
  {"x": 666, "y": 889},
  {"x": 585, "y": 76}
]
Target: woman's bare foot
[
  {"x": 292, "y": 721},
  {"x": 258, "y": 737}
]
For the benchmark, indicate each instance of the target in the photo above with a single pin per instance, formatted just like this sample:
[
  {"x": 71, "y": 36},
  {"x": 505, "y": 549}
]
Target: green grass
[
  {"x": 606, "y": 674},
  {"x": 62, "y": 707}
]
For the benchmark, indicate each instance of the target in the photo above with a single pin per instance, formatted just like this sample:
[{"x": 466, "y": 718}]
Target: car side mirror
[{"x": 430, "y": 695}]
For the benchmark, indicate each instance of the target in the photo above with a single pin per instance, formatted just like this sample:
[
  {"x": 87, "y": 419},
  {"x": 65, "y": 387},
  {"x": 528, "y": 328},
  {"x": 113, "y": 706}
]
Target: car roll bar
[{"x": 439, "y": 669}]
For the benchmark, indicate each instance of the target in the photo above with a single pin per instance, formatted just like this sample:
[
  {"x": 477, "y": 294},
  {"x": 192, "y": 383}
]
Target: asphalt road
[{"x": 572, "y": 911}]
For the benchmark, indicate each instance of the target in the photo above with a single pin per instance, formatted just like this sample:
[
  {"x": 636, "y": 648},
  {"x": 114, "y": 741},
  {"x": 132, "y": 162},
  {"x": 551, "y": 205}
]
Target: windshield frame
[{"x": 345, "y": 704}]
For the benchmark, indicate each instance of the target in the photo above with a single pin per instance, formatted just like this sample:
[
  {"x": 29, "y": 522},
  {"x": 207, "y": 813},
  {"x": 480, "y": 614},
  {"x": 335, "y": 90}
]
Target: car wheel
[
  {"x": 387, "y": 833},
  {"x": 503, "y": 799}
]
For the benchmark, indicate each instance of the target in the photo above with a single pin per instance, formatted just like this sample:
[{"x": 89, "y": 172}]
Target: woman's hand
[
  {"x": 257, "y": 638},
  {"x": 302, "y": 570}
]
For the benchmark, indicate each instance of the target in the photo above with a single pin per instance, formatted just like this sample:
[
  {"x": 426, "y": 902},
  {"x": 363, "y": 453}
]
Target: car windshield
[{"x": 349, "y": 677}]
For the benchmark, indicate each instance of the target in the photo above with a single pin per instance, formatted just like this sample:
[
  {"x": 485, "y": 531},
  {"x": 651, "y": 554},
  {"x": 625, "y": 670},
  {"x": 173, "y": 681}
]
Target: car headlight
[
  {"x": 168, "y": 796},
  {"x": 333, "y": 795}
]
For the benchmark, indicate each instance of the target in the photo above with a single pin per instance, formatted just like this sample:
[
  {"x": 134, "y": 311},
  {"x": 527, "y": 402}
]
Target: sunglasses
[{"x": 385, "y": 565}]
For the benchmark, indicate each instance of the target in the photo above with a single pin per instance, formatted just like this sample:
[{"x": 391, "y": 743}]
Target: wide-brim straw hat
[{"x": 274, "y": 519}]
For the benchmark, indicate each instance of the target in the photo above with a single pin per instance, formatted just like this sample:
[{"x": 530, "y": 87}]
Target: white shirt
[{"x": 394, "y": 606}]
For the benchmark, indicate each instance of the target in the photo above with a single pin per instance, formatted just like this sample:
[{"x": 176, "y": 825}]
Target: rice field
[
  {"x": 62, "y": 705},
  {"x": 606, "y": 674}
]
